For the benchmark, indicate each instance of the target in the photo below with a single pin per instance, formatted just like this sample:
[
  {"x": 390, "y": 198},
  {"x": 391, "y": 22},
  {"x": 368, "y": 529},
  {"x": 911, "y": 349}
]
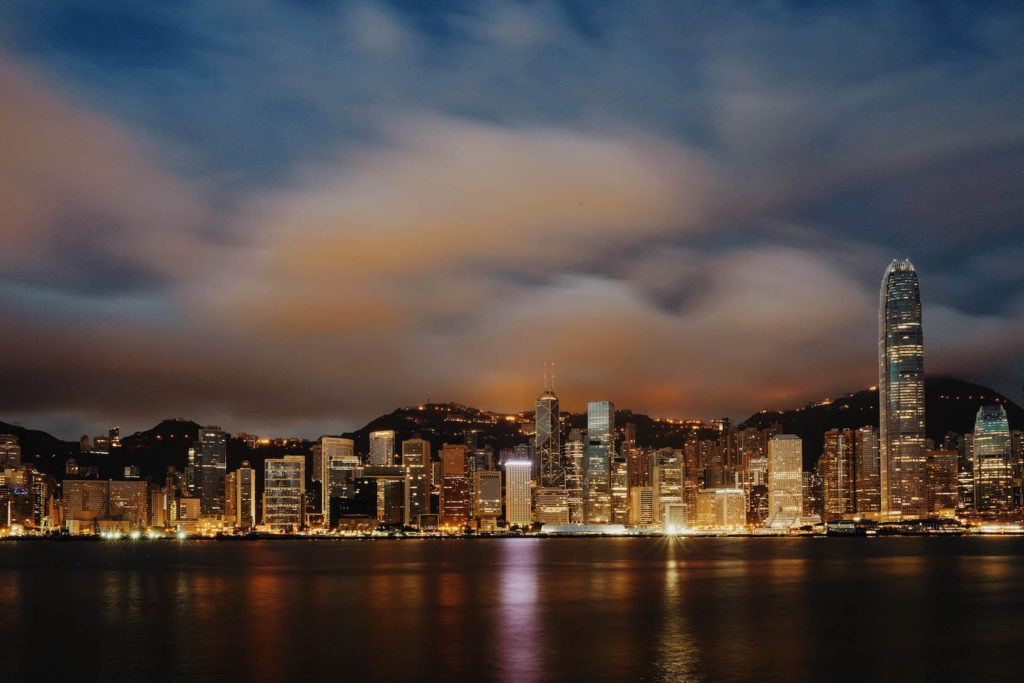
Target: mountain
[
  {"x": 46, "y": 452},
  {"x": 950, "y": 405}
]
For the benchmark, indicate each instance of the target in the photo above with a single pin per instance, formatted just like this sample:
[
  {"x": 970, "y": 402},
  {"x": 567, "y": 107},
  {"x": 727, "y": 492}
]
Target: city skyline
[{"x": 295, "y": 219}]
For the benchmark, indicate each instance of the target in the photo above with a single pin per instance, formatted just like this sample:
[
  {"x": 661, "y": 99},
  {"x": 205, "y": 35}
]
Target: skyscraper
[
  {"x": 416, "y": 461},
  {"x": 211, "y": 460},
  {"x": 338, "y": 462},
  {"x": 10, "y": 451},
  {"x": 902, "y": 468},
  {"x": 382, "y": 447},
  {"x": 837, "y": 469},
  {"x": 574, "y": 457},
  {"x": 245, "y": 497},
  {"x": 284, "y": 488},
  {"x": 549, "y": 441},
  {"x": 600, "y": 445},
  {"x": 785, "y": 477},
  {"x": 454, "y": 487},
  {"x": 517, "y": 492},
  {"x": 866, "y": 456},
  {"x": 993, "y": 473}
]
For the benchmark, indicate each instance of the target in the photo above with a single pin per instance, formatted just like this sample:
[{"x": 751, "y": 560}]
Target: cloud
[
  {"x": 85, "y": 206},
  {"x": 415, "y": 227},
  {"x": 689, "y": 210}
]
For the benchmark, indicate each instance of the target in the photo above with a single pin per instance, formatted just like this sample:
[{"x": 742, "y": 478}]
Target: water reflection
[{"x": 520, "y": 647}]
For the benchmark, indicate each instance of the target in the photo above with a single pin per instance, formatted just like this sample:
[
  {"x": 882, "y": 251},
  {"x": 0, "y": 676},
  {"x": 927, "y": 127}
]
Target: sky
[{"x": 291, "y": 217}]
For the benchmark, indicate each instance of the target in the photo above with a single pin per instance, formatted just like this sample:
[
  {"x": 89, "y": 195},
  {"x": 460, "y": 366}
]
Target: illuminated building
[
  {"x": 157, "y": 506},
  {"x": 721, "y": 509},
  {"x": 517, "y": 492},
  {"x": 338, "y": 462},
  {"x": 129, "y": 503},
  {"x": 549, "y": 440},
  {"x": 668, "y": 491},
  {"x": 10, "y": 451},
  {"x": 245, "y": 497},
  {"x": 416, "y": 461},
  {"x": 551, "y": 505},
  {"x": 210, "y": 463},
  {"x": 454, "y": 487},
  {"x": 866, "y": 467},
  {"x": 785, "y": 479},
  {"x": 619, "y": 487},
  {"x": 574, "y": 459},
  {"x": 942, "y": 471},
  {"x": 641, "y": 506},
  {"x": 600, "y": 437},
  {"x": 902, "y": 470},
  {"x": 284, "y": 488},
  {"x": 487, "y": 507},
  {"x": 838, "y": 474},
  {"x": 993, "y": 472},
  {"x": 382, "y": 447}
]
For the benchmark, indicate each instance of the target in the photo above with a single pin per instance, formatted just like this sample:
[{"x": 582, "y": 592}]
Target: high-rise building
[
  {"x": 211, "y": 461},
  {"x": 487, "y": 506},
  {"x": 943, "y": 492},
  {"x": 866, "y": 471},
  {"x": 902, "y": 467},
  {"x": 838, "y": 474},
  {"x": 455, "y": 500},
  {"x": 245, "y": 497},
  {"x": 619, "y": 488},
  {"x": 338, "y": 462},
  {"x": 574, "y": 462},
  {"x": 551, "y": 505},
  {"x": 382, "y": 447},
  {"x": 641, "y": 505},
  {"x": 518, "y": 493},
  {"x": 993, "y": 472},
  {"x": 549, "y": 441},
  {"x": 600, "y": 446},
  {"x": 10, "y": 451},
  {"x": 785, "y": 478},
  {"x": 669, "y": 492},
  {"x": 721, "y": 509},
  {"x": 284, "y": 489},
  {"x": 416, "y": 461}
]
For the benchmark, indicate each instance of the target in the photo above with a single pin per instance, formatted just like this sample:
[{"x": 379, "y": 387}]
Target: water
[{"x": 516, "y": 609}]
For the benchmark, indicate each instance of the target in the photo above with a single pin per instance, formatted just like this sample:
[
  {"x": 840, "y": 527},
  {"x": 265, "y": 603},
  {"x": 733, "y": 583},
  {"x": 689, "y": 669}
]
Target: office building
[
  {"x": 902, "y": 470},
  {"x": 993, "y": 470},
  {"x": 722, "y": 509},
  {"x": 838, "y": 474},
  {"x": 785, "y": 478},
  {"x": 943, "y": 484},
  {"x": 600, "y": 446},
  {"x": 416, "y": 461},
  {"x": 455, "y": 501},
  {"x": 210, "y": 452},
  {"x": 548, "y": 441},
  {"x": 868, "y": 491},
  {"x": 284, "y": 489},
  {"x": 551, "y": 505},
  {"x": 382, "y": 447},
  {"x": 518, "y": 493}
]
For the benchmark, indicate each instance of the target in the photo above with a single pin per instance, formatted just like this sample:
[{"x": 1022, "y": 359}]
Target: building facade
[{"x": 902, "y": 469}]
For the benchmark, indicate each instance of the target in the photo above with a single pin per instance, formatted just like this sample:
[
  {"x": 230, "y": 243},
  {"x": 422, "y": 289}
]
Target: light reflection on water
[{"x": 517, "y": 609}]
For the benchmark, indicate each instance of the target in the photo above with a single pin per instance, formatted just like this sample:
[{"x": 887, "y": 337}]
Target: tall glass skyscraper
[
  {"x": 993, "y": 470},
  {"x": 600, "y": 445},
  {"x": 902, "y": 466},
  {"x": 212, "y": 460},
  {"x": 549, "y": 441}
]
